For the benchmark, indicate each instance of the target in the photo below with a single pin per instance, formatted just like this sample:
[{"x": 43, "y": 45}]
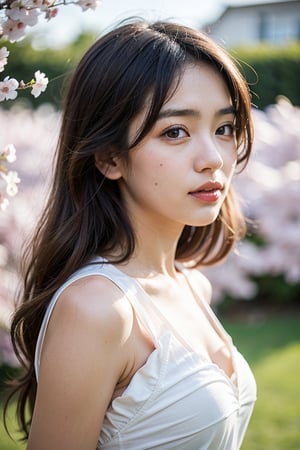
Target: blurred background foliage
[{"x": 271, "y": 70}]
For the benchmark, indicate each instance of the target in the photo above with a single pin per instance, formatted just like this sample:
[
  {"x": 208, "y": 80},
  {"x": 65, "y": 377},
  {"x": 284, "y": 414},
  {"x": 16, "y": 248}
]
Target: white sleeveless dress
[{"x": 179, "y": 399}]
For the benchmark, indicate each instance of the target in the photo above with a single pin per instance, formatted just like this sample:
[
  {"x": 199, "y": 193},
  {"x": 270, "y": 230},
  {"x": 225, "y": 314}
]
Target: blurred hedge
[{"x": 271, "y": 71}]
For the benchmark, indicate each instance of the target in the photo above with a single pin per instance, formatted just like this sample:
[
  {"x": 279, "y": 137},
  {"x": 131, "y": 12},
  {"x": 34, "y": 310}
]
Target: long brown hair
[{"x": 85, "y": 215}]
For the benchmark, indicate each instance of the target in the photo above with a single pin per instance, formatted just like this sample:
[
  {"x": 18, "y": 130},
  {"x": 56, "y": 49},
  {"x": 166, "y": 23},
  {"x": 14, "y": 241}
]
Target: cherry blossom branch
[{"x": 18, "y": 14}]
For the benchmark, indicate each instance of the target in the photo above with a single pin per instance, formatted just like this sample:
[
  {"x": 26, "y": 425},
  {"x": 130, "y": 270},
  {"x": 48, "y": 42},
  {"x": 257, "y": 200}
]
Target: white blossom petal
[
  {"x": 40, "y": 85},
  {"x": 8, "y": 89},
  {"x": 9, "y": 153}
]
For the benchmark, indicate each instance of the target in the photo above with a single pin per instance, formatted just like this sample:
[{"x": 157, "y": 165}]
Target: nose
[{"x": 207, "y": 154}]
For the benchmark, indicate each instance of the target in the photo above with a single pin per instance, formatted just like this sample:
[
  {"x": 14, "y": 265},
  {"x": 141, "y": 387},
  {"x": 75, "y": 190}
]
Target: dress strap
[
  {"x": 139, "y": 300},
  {"x": 131, "y": 289}
]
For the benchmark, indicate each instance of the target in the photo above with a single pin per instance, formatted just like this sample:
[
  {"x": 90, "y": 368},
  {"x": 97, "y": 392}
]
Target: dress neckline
[{"x": 209, "y": 313}]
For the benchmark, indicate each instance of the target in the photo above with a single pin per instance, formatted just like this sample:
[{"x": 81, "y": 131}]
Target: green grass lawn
[
  {"x": 6, "y": 443},
  {"x": 272, "y": 348}
]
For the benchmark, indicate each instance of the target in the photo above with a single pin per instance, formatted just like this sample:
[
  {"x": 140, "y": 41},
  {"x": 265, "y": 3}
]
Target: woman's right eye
[{"x": 175, "y": 133}]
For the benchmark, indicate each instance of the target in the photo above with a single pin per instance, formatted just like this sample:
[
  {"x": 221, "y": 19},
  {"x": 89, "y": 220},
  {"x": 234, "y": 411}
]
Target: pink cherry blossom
[
  {"x": 13, "y": 30},
  {"x": 88, "y": 4},
  {"x": 8, "y": 89},
  {"x": 19, "y": 12},
  {"x": 51, "y": 13},
  {"x": 40, "y": 84},
  {"x": 3, "y": 202},
  {"x": 31, "y": 4},
  {"x": 3, "y": 57}
]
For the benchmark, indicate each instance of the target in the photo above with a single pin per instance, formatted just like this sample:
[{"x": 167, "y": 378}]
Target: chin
[
  {"x": 205, "y": 220},
  {"x": 201, "y": 223}
]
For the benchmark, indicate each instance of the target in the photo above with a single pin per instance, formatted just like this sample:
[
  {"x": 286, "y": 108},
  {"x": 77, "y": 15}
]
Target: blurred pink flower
[
  {"x": 3, "y": 202},
  {"x": 8, "y": 153},
  {"x": 30, "y": 4},
  {"x": 4, "y": 53},
  {"x": 51, "y": 13},
  {"x": 12, "y": 179},
  {"x": 88, "y": 4}
]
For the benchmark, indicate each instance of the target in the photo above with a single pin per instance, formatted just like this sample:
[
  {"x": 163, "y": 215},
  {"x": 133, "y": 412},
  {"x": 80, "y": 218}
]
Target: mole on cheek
[
  {"x": 161, "y": 165},
  {"x": 155, "y": 183}
]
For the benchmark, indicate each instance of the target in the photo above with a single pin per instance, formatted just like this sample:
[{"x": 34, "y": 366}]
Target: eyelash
[
  {"x": 172, "y": 129},
  {"x": 179, "y": 128},
  {"x": 228, "y": 125}
]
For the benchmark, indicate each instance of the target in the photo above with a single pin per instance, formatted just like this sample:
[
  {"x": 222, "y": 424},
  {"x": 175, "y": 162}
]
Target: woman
[{"x": 119, "y": 345}]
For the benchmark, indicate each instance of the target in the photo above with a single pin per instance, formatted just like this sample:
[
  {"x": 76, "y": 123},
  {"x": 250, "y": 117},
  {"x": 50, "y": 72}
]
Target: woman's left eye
[
  {"x": 225, "y": 130},
  {"x": 175, "y": 133}
]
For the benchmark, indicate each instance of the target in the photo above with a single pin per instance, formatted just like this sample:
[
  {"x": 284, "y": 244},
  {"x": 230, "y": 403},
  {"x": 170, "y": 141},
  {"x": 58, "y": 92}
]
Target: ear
[{"x": 110, "y": 168}]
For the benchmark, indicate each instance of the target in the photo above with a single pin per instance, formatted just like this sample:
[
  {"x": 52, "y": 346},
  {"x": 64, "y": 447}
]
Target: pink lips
[{"x": 209, "y": 192}]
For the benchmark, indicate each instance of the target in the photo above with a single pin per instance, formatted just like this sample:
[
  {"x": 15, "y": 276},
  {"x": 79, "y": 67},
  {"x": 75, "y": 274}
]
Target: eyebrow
[{"x": 193, "y": 112}]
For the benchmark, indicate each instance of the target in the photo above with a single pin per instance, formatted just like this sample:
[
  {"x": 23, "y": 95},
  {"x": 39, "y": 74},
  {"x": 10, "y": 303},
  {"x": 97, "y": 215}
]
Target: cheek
[
  {"x": 166, "y": 176},
  {"x": 153, "y": 173},
  {"x": 160, "y": 177},
  {"x": 145, "y": 176}
]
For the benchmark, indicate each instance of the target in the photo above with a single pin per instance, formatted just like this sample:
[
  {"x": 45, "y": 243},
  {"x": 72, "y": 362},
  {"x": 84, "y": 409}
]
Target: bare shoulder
[
  {"x": 98, "y": 302},
  {"x": 202, "y": 284},
  {"x": 90, "y": 326}
]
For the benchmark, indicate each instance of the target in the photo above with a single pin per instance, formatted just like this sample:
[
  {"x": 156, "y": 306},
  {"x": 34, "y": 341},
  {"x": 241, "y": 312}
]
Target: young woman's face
[{"x": 181, "y": 171}]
